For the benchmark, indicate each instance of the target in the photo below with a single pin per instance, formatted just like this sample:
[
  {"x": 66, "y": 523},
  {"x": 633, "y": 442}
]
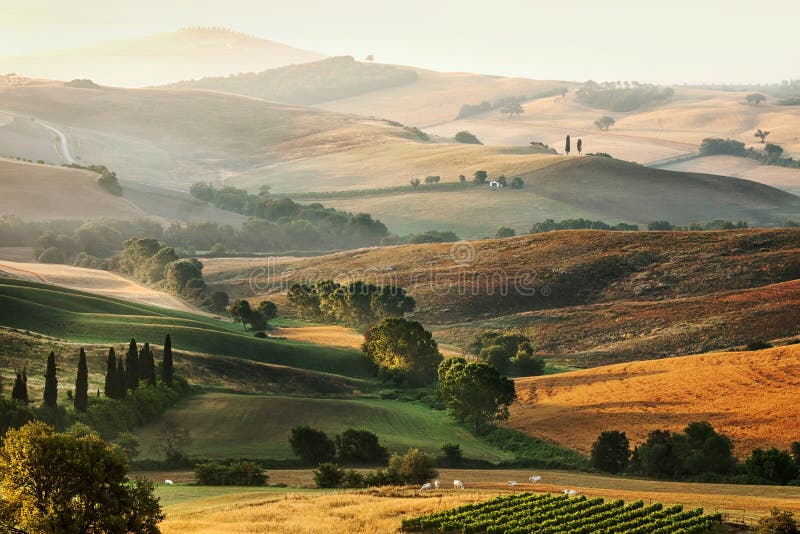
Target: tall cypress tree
[
  {"x": 132, "y": 365},
  {"x": 111, "y": 375},
  {"x": 81, "y": 401},
  {"x": 567, "y": 145},
  {"x": 51, "y": 382},
  {"x": 166, "y": 369},
  {"x": 20, "y": 391},
  {"x": 122, "y": 390},
  {"x": 147, "y": 366}
]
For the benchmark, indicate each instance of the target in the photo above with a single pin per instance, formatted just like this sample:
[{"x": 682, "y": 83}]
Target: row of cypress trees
[{"x": 121, "y": 376}]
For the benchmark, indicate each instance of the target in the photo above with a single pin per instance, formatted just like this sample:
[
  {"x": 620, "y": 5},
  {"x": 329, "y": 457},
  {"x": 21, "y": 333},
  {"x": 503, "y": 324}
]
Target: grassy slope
[
  {"x": 258, "y": 426},
  {"x": 750, "y": 396},
  {"x": 84, "y": 317}
]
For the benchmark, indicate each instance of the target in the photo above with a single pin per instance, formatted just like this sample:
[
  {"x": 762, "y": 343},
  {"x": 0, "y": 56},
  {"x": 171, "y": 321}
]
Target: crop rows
[{"x": 548, "y": 514}]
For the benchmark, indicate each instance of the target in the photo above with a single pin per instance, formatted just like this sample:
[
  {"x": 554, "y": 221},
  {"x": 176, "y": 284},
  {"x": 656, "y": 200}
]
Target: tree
[
  {"x": 147, "y": 365},
  {"x": 415, "y": 183},
  {"x": 359, "y": 447},
  {"x": 480, "y": 177},
  {"x": 20, "y": 391},
  {"x": 755, "y": 98},
  {"x": 512, "y": 108},
  {"x": 604, "y": 123},
  {"x": 403, "y": 351},
  {"x": 328, "y": 475},
  {"x": 467, "y": 138},
  {"x": 81, "y": 401},
  {"x": 772, "y": 466},
  {"x": 452, "y": 454},
  {"x": 413, "y": 467},
  {"x": 761, "y": 135},
  {"x": 660, "y": 226},
  {"x": 167, "y": 373},
  {"x": 132, "y": 366},
  {"x": 312, "y": 446},
  {"x": 242, "y": 312},
  {"x": 71, "y": 484},
  {"x": 566, "y": 145},
  {"x": 128, "y": 444},
  {"x": 172, "y": 440},
  {"x": 475, "y": 393},
  {"x": 269, "y": 309},
  {"x": 220, "y": 301},
  {"x": 611, "y": 451},
  {"x": 579, "y": 146},
  {"x": 391, "y": 301},
  {"x": 122, "y": 381},
  {"x": 50, "y": 382},
  {"x": 462, "y": 179},
  {"x": 778, "y": 522},
  {"x": 517, "y": 183},
  {"x": 111, "y": 375},
  {"x": 504, "y": 232}
]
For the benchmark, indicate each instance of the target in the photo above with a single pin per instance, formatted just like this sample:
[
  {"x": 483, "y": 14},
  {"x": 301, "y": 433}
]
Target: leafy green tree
[
  {"x": 306, "y": 301},
  {"x": 772, "y": 466},
  {"x": 220, "y": 301},
  {"x": 704, "y": 450},
  {"x": 403, "y": 351},
  {"x": 269, "y": 309},
  {"x": 167, "y": 372},
  {"x": 511, "y": 353},
  {"x": 328, "y": 475},
  {"x": 504, "y": 232},
  {"x": 50, "y": 382},
  {"x": 359, "y": 447},
  {"x": 415, "y": 183},
  {"x": 604, "y": 123},
  {"x": 755, "y": 98},
  {"x": 761, "y": 135},
  {"x": 480, "y": 177},
  {"x": 777, "y": 522},
  {"x": 128, "y": 444},
  {"x": 517, "y": 183},
  {"x": 241, "y": 312},
  {"x": 611, "y": 451},
  {"x": 413, "y": 467},
  {"x": 475, "y": 393},
  {"x": 81, "y": 401},
  {"x": 312, "y": 446},
  {"x": 20, "y": 390},
  {"x": 111, "y": 375},
  {"x": 132, "y": 366},
  {"x": 391, "y": 301},
  {"x": 512, "y": 108},
  {"x": 71, "y": 484},
  {"x": 655, "y": 455}
]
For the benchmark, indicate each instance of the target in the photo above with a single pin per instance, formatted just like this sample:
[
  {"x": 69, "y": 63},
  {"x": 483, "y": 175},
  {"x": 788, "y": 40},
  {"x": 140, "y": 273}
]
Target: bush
[
  {"x": 716, "y": 145},
  {"x": 328, "y": 475},
  {"x": 52, "y": 255},
  {"x": 660, "y": 225},
  {"x": 360, "y": 447},
  {"x": 241, "y": 473},
  {"x": 504, "y": 232},
  {"x": 453, "y": 457},
  {"x": 778, "y": 522},
  {"x": 758, "y": 345},
  {"x": 413, "y": 467},
  {"x": 467, "y": 138},
  {"x": 312, "y": 446}
]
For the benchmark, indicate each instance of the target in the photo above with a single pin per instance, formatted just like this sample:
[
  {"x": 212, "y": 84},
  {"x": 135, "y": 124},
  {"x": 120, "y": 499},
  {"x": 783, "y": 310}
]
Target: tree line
[
  {"x": 771, "y": 155},
  {"x": 621, "y": 96}
]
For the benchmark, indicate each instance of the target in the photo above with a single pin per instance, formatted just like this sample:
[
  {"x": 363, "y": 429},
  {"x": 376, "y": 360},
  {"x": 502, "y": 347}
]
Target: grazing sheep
[
  {"x": 457, "y": 484},
  {"x": 535, "y": 479},
  {"x": 168, "y": 482},
  {"x": 437, "y": 484},
  {"x": 426, "y": 486},
  {"x": 512, "y": 483},
  {"x": 570, "y": 492}
]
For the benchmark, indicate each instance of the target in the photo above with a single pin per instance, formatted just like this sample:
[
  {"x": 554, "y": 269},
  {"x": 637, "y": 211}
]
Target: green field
[
  {"x": 87, "y": 318},
  {"x": 258, "y": 426},
  {"x": 183, "y": 493}
]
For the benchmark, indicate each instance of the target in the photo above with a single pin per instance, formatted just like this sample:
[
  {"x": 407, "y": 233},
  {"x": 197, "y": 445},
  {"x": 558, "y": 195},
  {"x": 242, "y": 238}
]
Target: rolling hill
[
  {"x": 750, "y": 396},
  {"x": 586, "y": 296},
  {"x": 164, "y": 58}
]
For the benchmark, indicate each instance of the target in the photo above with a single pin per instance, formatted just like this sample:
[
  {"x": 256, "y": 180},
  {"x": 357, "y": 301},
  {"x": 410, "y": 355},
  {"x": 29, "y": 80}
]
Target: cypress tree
[
  {"x": 51, "y": 382},
  {"x": 20, "y": 391},
  {"x": 166, "y": 369},
  {"x": 111, "y": 375},
  {"x": 81, "y": 401},
  {"x": 147, "y": 366},
  {"x": 132, "y": 365},
  {"x": 122, "y": 390},
  {"x": 567, "y": 146}
]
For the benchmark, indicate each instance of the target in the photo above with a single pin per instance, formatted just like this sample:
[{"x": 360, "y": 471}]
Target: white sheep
[
  {"x": 437, "y": 484},
  {"x": 535, "y": 479},
  {"x": 512, "y": 483},
  {"x": 570, "y": 492},
  {"x": 168, "y": 482},
  {"x": 457, "y": 484},
  {"x": 426, "y": 486}
]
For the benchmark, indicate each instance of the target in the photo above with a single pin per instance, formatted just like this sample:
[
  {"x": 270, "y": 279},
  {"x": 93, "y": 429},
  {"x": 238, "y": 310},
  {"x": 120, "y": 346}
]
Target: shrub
[
  {"x": 239, "y": 473},
  {"x": 467, "y": 138},
  {"x": 504, "y": 232},
  {"x": 758, "y": 345},
  {"x": 453, "y": 457},
  {"x": 660, "y": 225},
  {"x": 413, "y": 467},
  {"x": 778, "y": 522},
  {"x": 52, "y": 255},
  {"x": 328, "y": 475}
]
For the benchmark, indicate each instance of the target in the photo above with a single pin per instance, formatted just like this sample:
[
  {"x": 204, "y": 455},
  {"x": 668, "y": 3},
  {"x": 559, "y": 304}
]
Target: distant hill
[
  {"x": 748, "y": 396},
  {"x": 158, "y": 59},
  {"x": 310, "y": 83}
]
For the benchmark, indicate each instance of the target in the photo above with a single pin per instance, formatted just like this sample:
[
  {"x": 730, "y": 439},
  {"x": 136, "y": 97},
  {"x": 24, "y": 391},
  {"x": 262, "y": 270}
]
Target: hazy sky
[{"x": 670, "y": 41}]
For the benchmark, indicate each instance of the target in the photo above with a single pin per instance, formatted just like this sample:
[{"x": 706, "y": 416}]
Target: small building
[{"x": 494, "y": 184}]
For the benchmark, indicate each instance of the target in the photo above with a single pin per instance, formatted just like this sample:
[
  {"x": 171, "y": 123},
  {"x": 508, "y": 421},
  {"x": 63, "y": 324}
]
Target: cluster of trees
[
  {"x": 466, "y": 137},
  {"x": 233, "y": 473},
  {"x": 354, "y": 304},
  {"x": 605, "y": 122},
  {"x": 413, "y": 467},
  {"x": 107, "y": 180},
  {"x": 717, "y": 224},
  {"x": 70, "y": 483},
  {"x": 429, "y": 236},
  {"x": 287, "y": 225},
  {"x": 755, "y": 98},
  {"x": 257, "y": 318},
  {"x": 402, "y": 351},
  {"x": 548, "y": 225},
  {"x": 19, "y": 392},
  {"x": 137, "y": 367},
  {"x": 310, "y": 83},
  {"x": 621, "y": 96},
  {"x": 511, "y": 353},
  {"x": 509, "y": 104},
  {"x": 351, "y": 447},
  {"x": 698, "y": 453},
  {"x": 772, "y": 154}
]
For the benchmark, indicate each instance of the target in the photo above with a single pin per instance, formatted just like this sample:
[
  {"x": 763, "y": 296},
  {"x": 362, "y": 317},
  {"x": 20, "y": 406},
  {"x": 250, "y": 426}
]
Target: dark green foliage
[
  {"x": 238, "y": 473},
  {"x": 549, "y": 225},
  {"x": 51, "y": 382},
  {"x": 771, "y": 155},
  {"x": 132, "y": 366},
  {"x": 699, "y": 450},
  {"x": 185, "y": 278},
  {"x": 517, "y": 183},
  {"x": 312, "y": 446},
  {"x": 122, "y": 380},
  {"x": 413, "y": 467},
  {"x": 467, "y": 138},
  {"x": 778, "y": 522},
  {"x": 111, "y": 417},
  {"x": 480, "y": 177},
  {"x": 758, "y": 345},
  {"x": 219, "y": 301},
  {"x": 403, "y": 351},
  {"x": 431, "y": 236},
  {"x": 111, "y": 375},
  {"x": 579, "y": 146},
  {"x": 147, "y": 365},
  {"x": 533, "y": 452},
  {"x": 771, "y": 466},
  {"x": 611, "y": 451},
  {"x": 81, "y": 400},
  {"x": 268, "y": 309},
  {"x": 475, "y": 393},
  {"x": 452, "y": 455},
  {"x": 504, "y": 232},
  {"x": 167, "y": 372},
  {"x": 567, "y": 145},
  {"x": 660, "y": 226},
  {"x": 360, "y": 447},
  {"x": 619, "y": 96},
  {"x": 328, "y": 475},
  {"x": 710, "y": 146},
  {"x": 14, "y": 414},
  {"x": 356, "y": 304},
  {"x": 108, "y": 179},
  {"x": 511, "y": 353}
]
